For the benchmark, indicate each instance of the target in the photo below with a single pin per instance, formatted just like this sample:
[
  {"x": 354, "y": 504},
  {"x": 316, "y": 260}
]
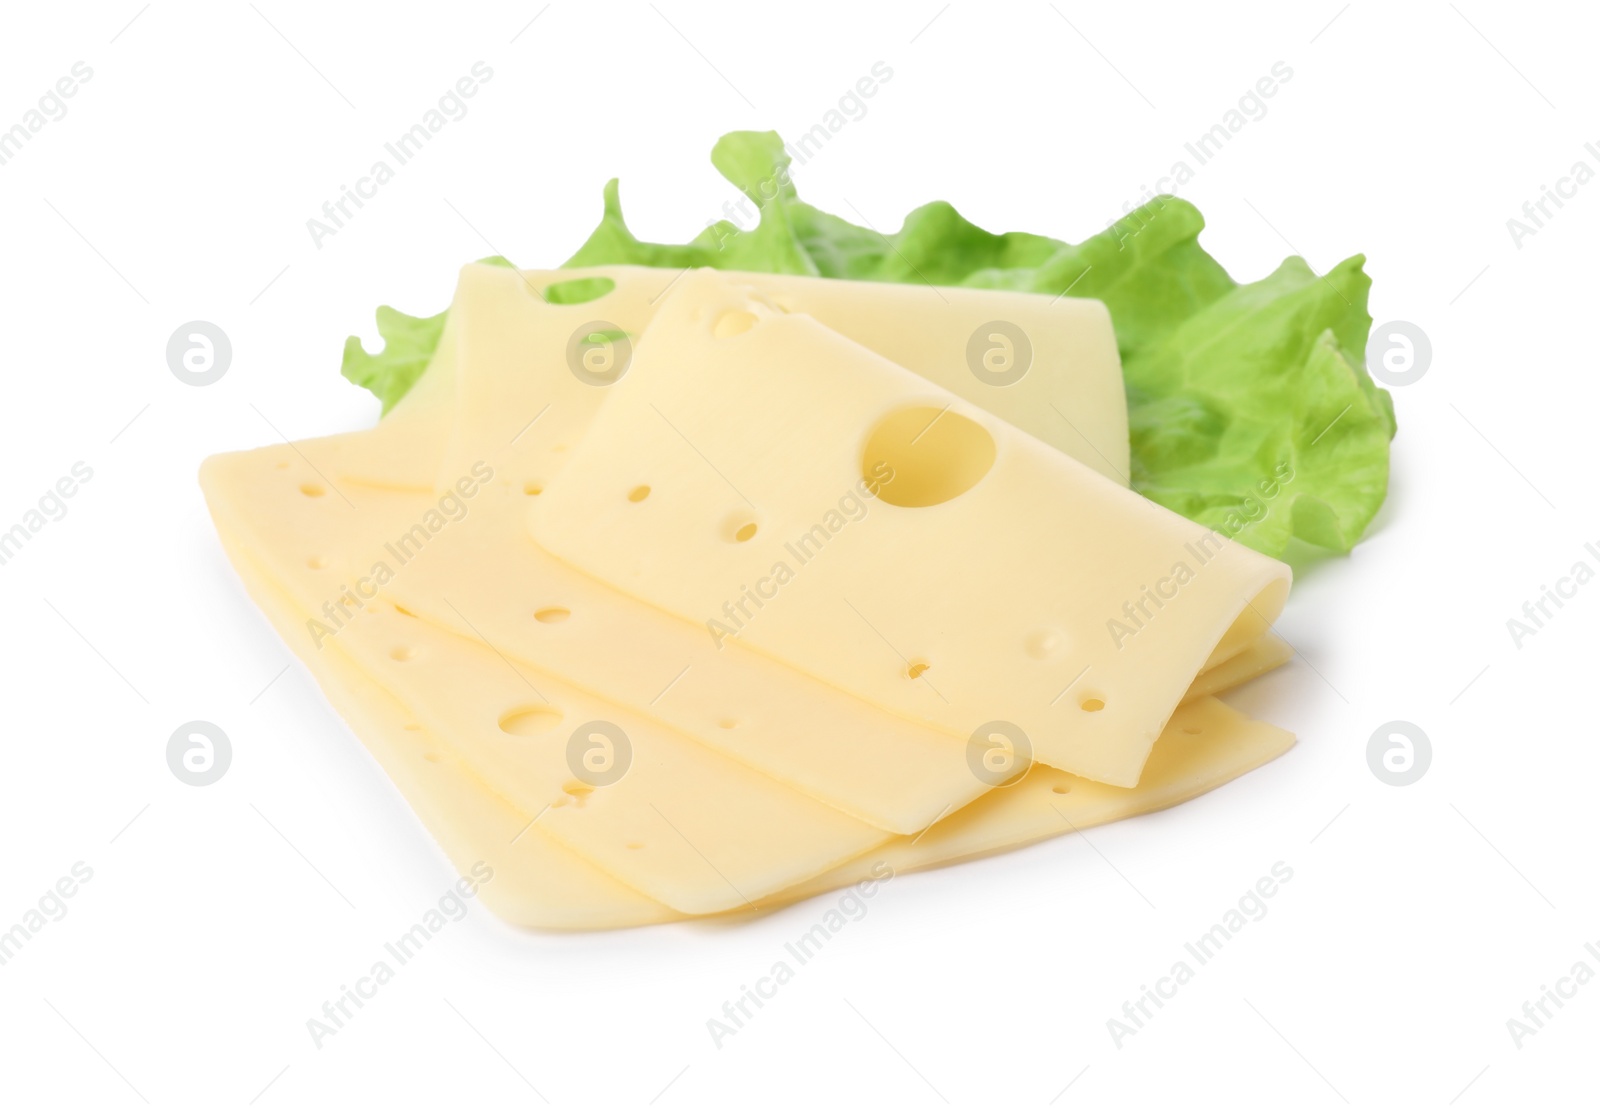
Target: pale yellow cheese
[
  {"x": 1205, "y": 744},
  {"x": 389, "y": 465},
  {"x": 992, "y": 578},
  {"x": 685, "y": 825},
  {"x": 1048, "y": 365},
  {"x": 1262, "y": 655},
  {"x": 537, "y": 883},
  {"x": 525, "y": 387}
]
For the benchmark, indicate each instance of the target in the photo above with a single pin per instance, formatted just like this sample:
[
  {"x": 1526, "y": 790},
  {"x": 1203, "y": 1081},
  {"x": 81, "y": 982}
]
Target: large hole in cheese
[{"x": 919, "y": 456}]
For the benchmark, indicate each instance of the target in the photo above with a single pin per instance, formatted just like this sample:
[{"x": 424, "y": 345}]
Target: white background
[{"x": 177, "y": 187}]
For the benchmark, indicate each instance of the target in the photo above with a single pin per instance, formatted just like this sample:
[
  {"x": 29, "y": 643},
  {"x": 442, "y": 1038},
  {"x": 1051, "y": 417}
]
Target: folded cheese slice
[
  {"x": 806, "y": 498},
  {"x": 537, "y": 883},
  {"x": 525, "y": 388},
  {"x": 682, "y": 823}
]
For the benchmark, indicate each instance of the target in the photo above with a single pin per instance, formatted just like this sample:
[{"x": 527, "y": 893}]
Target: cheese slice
[
  {"x": 812, "y": 501},
  {"x": 537, "y": 883},
  {"x": 525, "y": 388},
  {"x": 390, "y": 466},
  {"x": 1205, "y": 744},
  {"x": 1263, "y": 655},
  {"x": 1046, "y": 365},
  {"x": 684, "y": 824}
]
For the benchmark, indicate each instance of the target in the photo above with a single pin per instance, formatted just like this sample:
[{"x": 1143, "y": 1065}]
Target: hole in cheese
[
  {"x": 312, "y": 490},
  {"x": 733, "y": 322},
  {"x": 1091, "y": 704},
  {"x": 920, "y": 456},
  {"x": 535, "y": 720},
  {"x": 638, "y": 493},
  {"x": 739, "y": 527},
  {"x": 316, "y": 561},
  {"x": 917, "y": 668},
  {"x": 579, "y": 290},
  {"x": 402, "y": 653},
  {"x": 635, "y": 846},
  {"x": 551, "y": 615},
  {"x": 1044, "y": 643},
  {"x": 727, "y": 724},
  {"x": 532, "y": 488},
  {"x": 1060, "y": 790},
  {"x": 1191, "y": 730},
  {"x": 430, "y": 756}
]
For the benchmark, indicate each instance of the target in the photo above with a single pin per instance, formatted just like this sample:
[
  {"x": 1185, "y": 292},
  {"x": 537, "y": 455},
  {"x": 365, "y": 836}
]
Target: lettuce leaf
[
  {"x": 1249, "y": 406},
  {"x": 408, "y": 345}
]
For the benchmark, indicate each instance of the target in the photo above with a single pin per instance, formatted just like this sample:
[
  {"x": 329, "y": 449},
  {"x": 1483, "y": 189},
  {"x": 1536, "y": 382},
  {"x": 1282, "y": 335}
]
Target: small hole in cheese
[
  {"x": 413, "y": 727},
  {"x": 431, "y": 756},
  {"x": 917, "y": 669},
  {"x": 733, "y": 322},
  {"x": 532, "y": 488},
  {"x": 316, "y": 561},
  {"x": 1061, "y": 790},
  {"x": 407, "y": 612},
  {"x": 534, "y": 720},
  {"x": 312, "y": 490},
  {"x": 739, "y": 527},
  {"x": 727, "y": 724},
  {"x": 402, "y": 653},
  {"x": 1191, "y": 730},
  {"x": 551, "y": 615},
  {"x": 635, "y": 846},
  {"x": 1091, "y": 704},
  {"x": 638, "y": 493}
]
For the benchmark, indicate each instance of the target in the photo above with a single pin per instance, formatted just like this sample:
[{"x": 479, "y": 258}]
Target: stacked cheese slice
[{"x": 672, "y": 594}]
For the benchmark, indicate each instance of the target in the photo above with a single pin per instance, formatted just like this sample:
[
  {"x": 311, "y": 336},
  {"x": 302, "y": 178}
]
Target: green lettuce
[{"x": 1249, "y": 407}]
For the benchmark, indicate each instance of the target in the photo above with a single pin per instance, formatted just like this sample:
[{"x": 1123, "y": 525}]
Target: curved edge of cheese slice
[
  {"x": 537, "y": 882},
  {"x": 1048, "y": 365},
  {"x": 1205, "y": 745},
  {"x": 678, "y": 821},
  {"x": 820, "y": 504}
]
